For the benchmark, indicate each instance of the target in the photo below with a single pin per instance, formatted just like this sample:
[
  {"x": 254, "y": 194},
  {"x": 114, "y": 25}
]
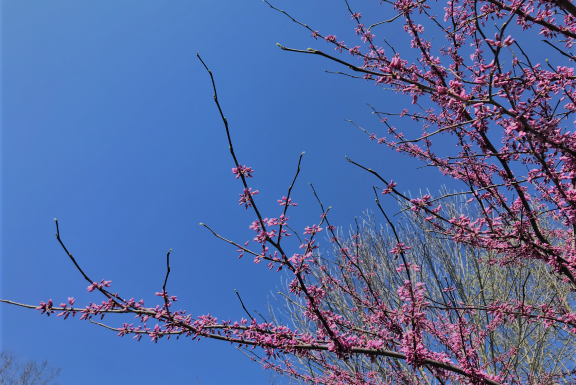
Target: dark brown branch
[{"x": 244, "y": 307}]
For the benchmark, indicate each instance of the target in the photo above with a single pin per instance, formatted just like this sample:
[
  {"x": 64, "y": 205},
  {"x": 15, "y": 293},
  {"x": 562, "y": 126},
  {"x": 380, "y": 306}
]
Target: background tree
[
  {"x": 14, "y": 372},
  {"x": 495, "y": 96},
  {"x": 540, "y": 350}
]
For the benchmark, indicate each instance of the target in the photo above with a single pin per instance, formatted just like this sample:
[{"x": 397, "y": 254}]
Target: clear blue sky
[{"x": 109, "y": 125}]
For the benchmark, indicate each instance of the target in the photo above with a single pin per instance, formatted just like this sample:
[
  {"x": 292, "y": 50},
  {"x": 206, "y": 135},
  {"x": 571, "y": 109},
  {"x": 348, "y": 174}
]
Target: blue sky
[{"x": 109, "y": 125}]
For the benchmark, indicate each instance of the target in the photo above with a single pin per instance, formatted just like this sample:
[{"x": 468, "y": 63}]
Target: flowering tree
[{"x": 507, "y": 114}]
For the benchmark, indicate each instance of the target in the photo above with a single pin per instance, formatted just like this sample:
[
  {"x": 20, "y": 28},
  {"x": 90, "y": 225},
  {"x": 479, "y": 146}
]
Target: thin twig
[{"x": 244, "y": 307}]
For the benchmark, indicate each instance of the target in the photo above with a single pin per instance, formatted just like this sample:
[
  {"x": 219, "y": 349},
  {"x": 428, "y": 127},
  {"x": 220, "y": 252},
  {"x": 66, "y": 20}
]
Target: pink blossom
[
  {"x": 246, "y": 197},
  {"x": 242, "y": 170}
]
